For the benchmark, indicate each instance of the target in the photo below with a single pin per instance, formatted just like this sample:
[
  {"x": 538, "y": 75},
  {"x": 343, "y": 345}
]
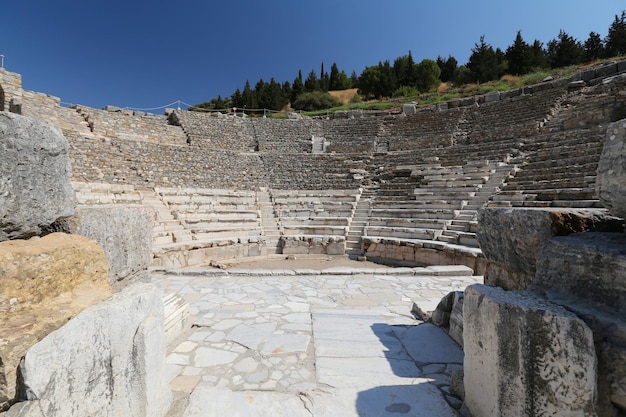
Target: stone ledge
[
  {"x": 511, "y": 238},
  {"x": 435, "y": 270}
]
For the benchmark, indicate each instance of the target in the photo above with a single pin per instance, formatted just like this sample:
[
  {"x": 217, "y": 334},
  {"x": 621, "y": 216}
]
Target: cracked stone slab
[
  {"x": 365, "y": 372},
  {"x": 208, "y": 401},
  {"x": 269, "y": 343},
  {"x": 427, "y": 343},
  {"x": 420, "y": 400}
]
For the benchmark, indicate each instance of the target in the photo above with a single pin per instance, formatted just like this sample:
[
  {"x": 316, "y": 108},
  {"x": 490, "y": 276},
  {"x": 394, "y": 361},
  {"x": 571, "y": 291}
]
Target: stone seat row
[{"x": 444, "y": 194}]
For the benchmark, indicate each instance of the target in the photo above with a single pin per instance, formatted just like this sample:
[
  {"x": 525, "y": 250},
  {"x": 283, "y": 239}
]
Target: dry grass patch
[
  {"x": 344, "y": 95},
  {"x": 511, "y": 79}
]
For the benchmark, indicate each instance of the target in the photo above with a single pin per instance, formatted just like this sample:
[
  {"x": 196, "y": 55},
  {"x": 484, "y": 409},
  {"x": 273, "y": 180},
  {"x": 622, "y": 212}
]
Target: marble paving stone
[
  {"x": 285, "y": 344},
  {"x": 212, "y": 402},
  {"x": 363, "y": 372},
  {"x": 392, "y": 349},
  {"x": 429, "y": 344},
  {"x": 268, "y": 343},
  {"x": 206, "y": 357},
  {"x": 314, "y": 345},
  {"x": 419, "y": 400}
]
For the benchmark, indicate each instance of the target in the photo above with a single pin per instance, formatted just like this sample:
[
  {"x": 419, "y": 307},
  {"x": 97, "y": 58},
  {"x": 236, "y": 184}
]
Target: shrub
[
  {"x": 315, "y": 100},
  {"x": 406, "y": 91}
]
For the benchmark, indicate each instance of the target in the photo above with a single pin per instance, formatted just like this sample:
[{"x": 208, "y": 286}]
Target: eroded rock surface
[
  {"x": 35, "y": 187},
  {"x": 107, "y": 361},
  {"x": 593, "y": 269},
  {"x": 44, "y": 282},
  {"x": 525, "y": 356},
  {"x": 591, "y": 281},
  {"x": 511, "y": 238},
  {"x": 125, "y": 234},
  {"x": 611, "y": 179}
]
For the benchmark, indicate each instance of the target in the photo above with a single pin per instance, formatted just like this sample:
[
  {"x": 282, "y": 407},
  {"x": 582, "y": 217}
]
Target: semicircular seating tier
[{"x": 402, "y": 189}]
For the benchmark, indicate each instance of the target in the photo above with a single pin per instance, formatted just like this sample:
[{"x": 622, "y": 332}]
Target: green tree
[
  {"x": 333, "y": 79},
  {"x": 297, "y": 87},
  {"x": 539, "y": 58},
  {"x": 338, "y": 80},
  {"x": 616, "y": 38},
  {"x": 370, "y": 80},
  {"x": 378, "y": 81},
  {"x": 594, "y": 47},
  {"x": 219, "y": 103},
  {"x": 448, "y": 67},
  {"x": 270, "y": 95},
  {"x": 261, "y": 92},
  {"x": 287, "y": 92},
  {"x": 354, "y": 80},
  {"x": 249, "y": 97},
  {"x": 324, "y": 80},
  {"x": 427, "y": 73},
  {"x": 311, "y": 83},
  {"x": 237, "y": 99},
  {"x": 462, "y": 75},
  {"x": 484, "y": 63},
  {"x": 519, "y": 56},
  {"x": 564, "y": 51},
  {"x": 405, "y": 70}
]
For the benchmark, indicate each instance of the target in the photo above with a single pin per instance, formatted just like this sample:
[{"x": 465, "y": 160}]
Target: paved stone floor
[{"x": 334, "y": 342}]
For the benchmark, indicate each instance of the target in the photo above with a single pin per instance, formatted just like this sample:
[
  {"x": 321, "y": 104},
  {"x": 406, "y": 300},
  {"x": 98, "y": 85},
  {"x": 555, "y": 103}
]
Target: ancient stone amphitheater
[{"x": 451, "y": 184}]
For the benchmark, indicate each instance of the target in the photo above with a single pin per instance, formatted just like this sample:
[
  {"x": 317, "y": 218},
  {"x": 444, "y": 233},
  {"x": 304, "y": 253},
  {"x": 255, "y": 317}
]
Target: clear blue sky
[{"x": 147, "y": 53}]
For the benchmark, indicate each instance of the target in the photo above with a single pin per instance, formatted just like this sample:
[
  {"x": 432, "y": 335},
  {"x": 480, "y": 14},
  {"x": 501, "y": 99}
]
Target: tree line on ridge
[{"x": 406, "y": 78}]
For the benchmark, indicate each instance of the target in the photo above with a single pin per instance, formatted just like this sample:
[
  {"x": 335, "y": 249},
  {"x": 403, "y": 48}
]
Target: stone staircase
[
  {"x": 167, "y": 229},
  {"x": 269, "y": 222},
  {"x": 358, "y": 223},
  {"x": 462, "y": 228},
  {"x": 318, "y": 144}
]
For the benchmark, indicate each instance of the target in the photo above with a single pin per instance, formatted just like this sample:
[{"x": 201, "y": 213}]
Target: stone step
[
  {"x": 408, "y": 222},
  {"x": 408, "y": 233}
]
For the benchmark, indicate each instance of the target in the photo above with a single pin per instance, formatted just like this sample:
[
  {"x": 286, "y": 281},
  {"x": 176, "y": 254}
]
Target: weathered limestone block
[
  {"x": 456, "y": 319},
  {"x": 441, "y": 315},
  {"x": 329, "y": 245},
  {"x": 35, "y": 185},
  {"x": 525, "y": 356},
  {"x": 591, "y": 282},
  {"x": 611, "y": 179},
  {"x": 594, "y": 268},
  {"x": 511, "y": 238},
  {"x": 43, "y": 283},
  {"x": 125, "y": 234},
  {"x": 107, "y": 361},
  {"x": 409, "y": 109}
]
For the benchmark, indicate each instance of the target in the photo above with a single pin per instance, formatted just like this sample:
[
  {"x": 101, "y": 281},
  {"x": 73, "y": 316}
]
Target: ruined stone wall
[
  {"x": 150, "y": 165},
  {"x": 10, "y": 91},
  {"x": 425, "y": 129},
  {"x": 515, "y": 117},
  {"x": 351, "y": 135},
  {"x": 312, "y": 171},
  {"x": 285, "y": 136},
  {"x": 216, "y": 131},
  {"x": 132, "y": 126}
]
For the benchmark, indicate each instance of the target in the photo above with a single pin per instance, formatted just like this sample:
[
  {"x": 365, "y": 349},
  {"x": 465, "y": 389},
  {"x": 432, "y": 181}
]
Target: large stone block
[
  {"x": 591, "y": 282},
  {"x": 125, "y": 234},
  {"x": 35, "y": 187},
  {"x": 43, "y": 283},
  {"x": 511, "y": 238},
  {"x": 525, "y": 356},
  {"x": 611, "y": 179},
  {"x": 107, "y": 361},
  {"x": 593, "y": 269}
]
